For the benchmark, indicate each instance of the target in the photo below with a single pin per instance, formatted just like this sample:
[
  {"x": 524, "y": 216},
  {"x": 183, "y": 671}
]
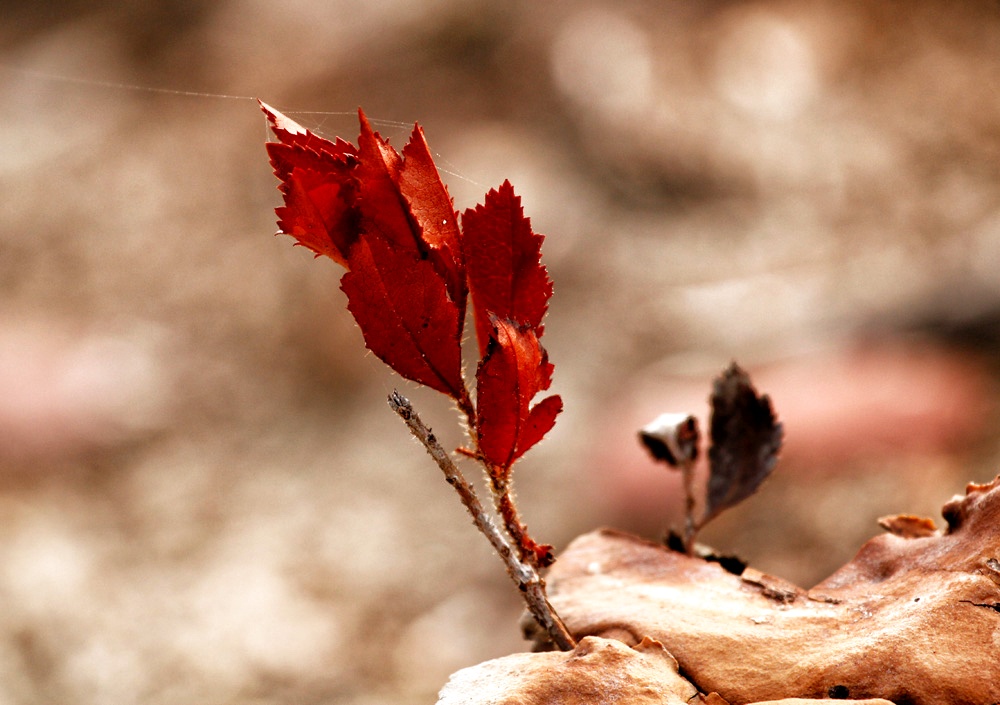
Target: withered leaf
[
  {"x": 908, "y": 526},
  {"x": 672, "y": 438},
  {"x": 912, "y": 620},
  {"x": 596, "y": 671},
  {"x": 746, "y": 438}
]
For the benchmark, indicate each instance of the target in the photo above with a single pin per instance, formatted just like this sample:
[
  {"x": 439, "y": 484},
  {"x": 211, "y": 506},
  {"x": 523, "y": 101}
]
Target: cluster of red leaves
[{"x": 411, "y": 266}]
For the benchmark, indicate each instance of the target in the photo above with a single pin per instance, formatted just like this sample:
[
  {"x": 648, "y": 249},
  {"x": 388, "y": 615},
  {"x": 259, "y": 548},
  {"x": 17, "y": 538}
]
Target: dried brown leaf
[
  {"x": 596, "y": 671},
  {"x": 913, "y": 620},
  {"x": 746, "y": 438},
  {"x": 908, "y": 526}
]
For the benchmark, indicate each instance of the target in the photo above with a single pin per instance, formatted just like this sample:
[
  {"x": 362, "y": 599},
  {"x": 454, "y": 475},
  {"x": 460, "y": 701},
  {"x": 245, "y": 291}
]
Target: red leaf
[
  {"x": 404, "y": 200},
  {"x": 405, "y": 315},
  {"x": 434, "y": 212},
  {"x": 318, "y": 187},
  {"x": 390, "y": 218},
  {"x": 333, "y": 192},
  {"x": 513, "y": 370},
  {"x": 541, "y": 419},
  {"x": 503, "y": 257},
  {"x": 382, "y": 207},
  {"x": 292, "y": 133}
]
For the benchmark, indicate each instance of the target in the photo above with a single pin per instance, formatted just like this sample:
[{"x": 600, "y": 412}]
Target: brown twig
[{"x": 524, "y": 575}]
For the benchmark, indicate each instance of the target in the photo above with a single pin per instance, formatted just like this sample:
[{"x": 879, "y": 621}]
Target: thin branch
[{"x": 524, "y": 575}]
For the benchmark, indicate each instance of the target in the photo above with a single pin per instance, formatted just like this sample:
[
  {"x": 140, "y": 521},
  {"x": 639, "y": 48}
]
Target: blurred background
[{"x": 203, "y": 495}]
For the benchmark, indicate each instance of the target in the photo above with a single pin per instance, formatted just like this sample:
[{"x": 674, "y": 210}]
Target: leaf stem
[
  {"x": 690, "y": 526},
  {"x": 529, "y": 582},
  {"x": 467, "y": 408},
  {"x": 529, "y": 551}
]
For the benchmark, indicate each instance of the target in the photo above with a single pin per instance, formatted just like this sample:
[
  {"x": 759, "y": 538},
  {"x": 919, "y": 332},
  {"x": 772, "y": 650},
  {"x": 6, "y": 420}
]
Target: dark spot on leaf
[
  {"x": 674, "y": 541},
  {"x": 839, "y": 692},
  {"x": 732, "y": 564}
]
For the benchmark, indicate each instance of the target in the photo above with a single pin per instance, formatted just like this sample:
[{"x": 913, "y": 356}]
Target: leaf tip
[
  {"x": 280, "y": 122},
  {"x": 366, "y": 127}
]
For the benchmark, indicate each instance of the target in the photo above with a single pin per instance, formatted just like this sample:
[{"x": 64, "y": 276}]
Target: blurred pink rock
[{"x": 63, "y": 393}]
